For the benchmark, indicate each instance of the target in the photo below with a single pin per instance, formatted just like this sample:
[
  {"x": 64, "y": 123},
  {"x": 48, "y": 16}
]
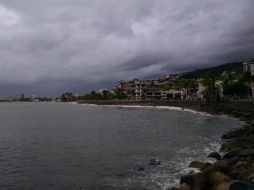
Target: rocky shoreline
[{"x": 233, "y": 170}]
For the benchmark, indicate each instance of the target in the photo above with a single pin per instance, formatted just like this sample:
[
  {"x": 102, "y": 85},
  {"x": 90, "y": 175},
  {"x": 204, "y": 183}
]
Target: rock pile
[{"x": 233, "y": 170}]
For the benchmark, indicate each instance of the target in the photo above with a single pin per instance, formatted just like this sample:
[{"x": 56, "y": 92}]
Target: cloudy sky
[{"x": 51, "y": 46}]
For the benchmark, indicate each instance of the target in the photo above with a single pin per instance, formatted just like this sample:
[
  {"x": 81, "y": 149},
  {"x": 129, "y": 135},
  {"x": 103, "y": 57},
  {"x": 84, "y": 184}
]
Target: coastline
[
  {"x": 154, "y": 107},
  {"x": 236, "y": 166}
]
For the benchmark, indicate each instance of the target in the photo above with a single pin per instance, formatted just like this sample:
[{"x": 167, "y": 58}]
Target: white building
[
  {"x": 136, "y": 88},
  {"x": 201, "y": 91},
  {"x": 219, "y": 87},
  {"x": 249, "y": 66}
]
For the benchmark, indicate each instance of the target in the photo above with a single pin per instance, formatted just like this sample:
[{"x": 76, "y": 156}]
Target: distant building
[
  {"x": 225, "y": 75},
  {"x": 249, "y": 66},
  {"x": 15, "y": 98},
  {"x": 123, "y": 86},
  {"x": 201, "y": 91},
  {"x": 252, "y": 90},
  {"x": 219, "y": 88},
  {"x": 22, "y": 96},
  {"x": 136, "y": 89},
  {"x": 34, "y": 98}
]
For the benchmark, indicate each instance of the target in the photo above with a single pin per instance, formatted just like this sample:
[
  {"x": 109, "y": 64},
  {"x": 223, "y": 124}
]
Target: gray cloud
[{"x": 50, "y": 46}]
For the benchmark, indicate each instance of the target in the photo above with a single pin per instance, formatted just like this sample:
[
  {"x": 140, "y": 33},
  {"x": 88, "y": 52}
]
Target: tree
[
  {"x": 120, "y": 94},
  {"x": 209, "y": 82},
  {"x": 67, "y": 97},
  {"x": 238, "y": 88},
  {"x": 246, "y": 77}
]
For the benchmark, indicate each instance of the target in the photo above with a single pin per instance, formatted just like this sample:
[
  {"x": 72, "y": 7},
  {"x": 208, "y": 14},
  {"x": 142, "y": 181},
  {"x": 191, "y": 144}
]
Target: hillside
[{"x": 213, "y": 71}]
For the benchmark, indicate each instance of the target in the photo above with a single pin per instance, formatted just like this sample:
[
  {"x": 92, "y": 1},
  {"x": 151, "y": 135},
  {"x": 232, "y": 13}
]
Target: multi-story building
[
  {"x": 201, "y": 90},
  {"x": 249, "y": 66},
  {"x": 219, "y": 88},
  {"x": 136, "y": 89}
]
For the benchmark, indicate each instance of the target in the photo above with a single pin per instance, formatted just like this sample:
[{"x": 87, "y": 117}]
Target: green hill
[{"x": 213, "y": 71}]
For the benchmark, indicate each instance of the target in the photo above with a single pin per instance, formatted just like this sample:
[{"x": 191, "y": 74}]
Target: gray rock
[
  {"x": 217, "y": 177},
  {"x": 239, "y": 152},
  {"x": 240, "y": 185},
  {"x": 222, "y": 186},
  {"x": 140, "y": 169},
  {"x": 215, "y": 155},
  {"x": 184, "y": 187},
  {"x": 199, "y": 165},
  {"x": 154, "y": 162}
]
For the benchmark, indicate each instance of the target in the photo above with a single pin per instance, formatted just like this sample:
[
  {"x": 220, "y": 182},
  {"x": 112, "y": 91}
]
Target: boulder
[
  {"x": 233, "y": 134},
  {"x": 140, "y": 169},
  {"x": 222, "y": 186},
  {"x": 173, "y": 188},
  {"x": 239, "y": 153},
  {"x": 215, "y": 155},
  {"x": 233, "y": 172},
  {"x": 198, "y": 181},
  {"x": 248, "y": 115},
  {"x": 199, "y": 165},
  {"x": 223, "y": 164},
  {"x": 252, "y": 123},
  {"x": 229, "y": 146},
  {"x": 247, "y": 174},
  {"x": 246, "y": 152},
  {"x": 211, "y": 169},
  {"x": 241, "y": 163},
  {"x": 154, "y": 162},
  {"x": 232, "y": 161},
  {"x": 187, "y": 179},
  {"x": 184, "y": 186},
  {"x": 217, "y": 177},
  {"x": 240, "y": 185}
]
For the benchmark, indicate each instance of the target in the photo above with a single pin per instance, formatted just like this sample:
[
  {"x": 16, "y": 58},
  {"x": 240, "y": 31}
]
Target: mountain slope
[{"x": 213, "y": 71}]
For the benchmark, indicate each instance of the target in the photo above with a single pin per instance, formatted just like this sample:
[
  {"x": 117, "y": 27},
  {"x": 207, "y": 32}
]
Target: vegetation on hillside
[{"x": 213, "y": 71}]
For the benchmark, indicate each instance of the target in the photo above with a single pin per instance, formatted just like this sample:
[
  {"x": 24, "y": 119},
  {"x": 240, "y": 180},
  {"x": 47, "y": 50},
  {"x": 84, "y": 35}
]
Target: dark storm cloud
[{"x": 49, "y": 46}]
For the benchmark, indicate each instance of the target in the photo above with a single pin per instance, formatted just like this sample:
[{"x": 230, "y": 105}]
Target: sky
[{"x": 48, "y": 47}]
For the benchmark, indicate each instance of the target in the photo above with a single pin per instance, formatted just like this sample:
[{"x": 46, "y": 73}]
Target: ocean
[{"x": 58, "y": 146}]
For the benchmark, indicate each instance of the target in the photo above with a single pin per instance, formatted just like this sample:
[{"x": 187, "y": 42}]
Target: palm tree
[
  {"x": 246, "y": 77},
  {"x": 209, "y": 82}
]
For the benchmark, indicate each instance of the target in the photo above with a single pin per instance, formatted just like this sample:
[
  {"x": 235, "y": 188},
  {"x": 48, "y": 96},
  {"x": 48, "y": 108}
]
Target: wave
[
  {"x": 154, "y": 107},
  {"x": 168, "y": 174}
]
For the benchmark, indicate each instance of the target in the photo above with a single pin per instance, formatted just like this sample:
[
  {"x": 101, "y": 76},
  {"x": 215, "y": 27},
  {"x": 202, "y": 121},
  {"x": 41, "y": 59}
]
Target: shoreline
[
  {"x": 153, "y": 107},
  {"x": 235, "y": 168}
]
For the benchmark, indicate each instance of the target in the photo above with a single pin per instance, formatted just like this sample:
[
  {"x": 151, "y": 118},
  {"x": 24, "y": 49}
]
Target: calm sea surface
[{"x": 56, "y": 146}]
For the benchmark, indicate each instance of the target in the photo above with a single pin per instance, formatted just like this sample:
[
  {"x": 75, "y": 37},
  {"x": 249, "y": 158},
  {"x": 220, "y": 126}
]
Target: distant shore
[{"x": 234, "y": 168}]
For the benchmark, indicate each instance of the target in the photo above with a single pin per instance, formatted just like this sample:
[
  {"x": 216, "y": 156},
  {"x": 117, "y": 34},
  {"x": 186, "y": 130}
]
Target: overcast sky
[{"x": 51, "y": 46}]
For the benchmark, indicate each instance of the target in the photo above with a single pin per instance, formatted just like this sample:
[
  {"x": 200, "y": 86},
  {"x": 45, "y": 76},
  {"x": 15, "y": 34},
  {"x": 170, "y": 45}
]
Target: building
[
  {"x": 249, "y": 66},
  {"x": 252, "y": 90},
  {"x": 201, "y": 91},
  {"x": 15, "y": 98},
  {"x": 219, "y": 88},
  {"x": 122, "y": 86},
  {"x": 154, "y": 93},
  {"x": 136, "y": 89}
]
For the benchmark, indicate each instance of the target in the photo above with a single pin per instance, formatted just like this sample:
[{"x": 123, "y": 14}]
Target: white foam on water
[
  {"x": 174, "y": 108},
  {"x": 161, "y": 177},
  {"x": 153, "y": 107},
  {"x": 168, "y": 174}
]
